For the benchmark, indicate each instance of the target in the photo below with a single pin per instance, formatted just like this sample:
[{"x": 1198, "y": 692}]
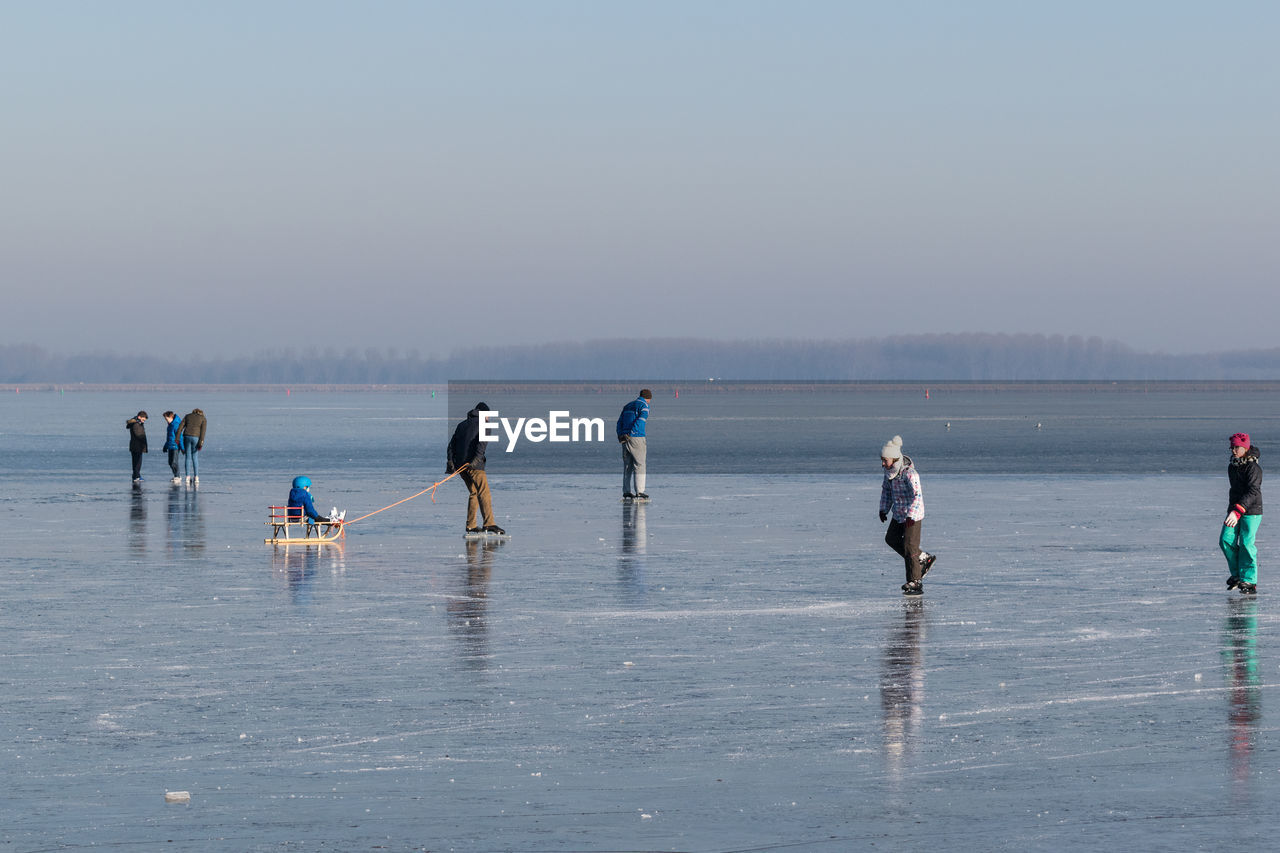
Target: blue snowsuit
[{"x": 301, "y": 499}]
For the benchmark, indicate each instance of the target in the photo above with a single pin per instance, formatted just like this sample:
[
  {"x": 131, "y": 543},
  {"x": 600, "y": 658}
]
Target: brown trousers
[
  {"x": 477, "y": 497},
  {"x": 905, "y": 539}
]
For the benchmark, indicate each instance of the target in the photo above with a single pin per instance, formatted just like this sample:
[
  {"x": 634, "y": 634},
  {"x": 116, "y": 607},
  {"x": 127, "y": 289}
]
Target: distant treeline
[{"x": 962, "y": 357}]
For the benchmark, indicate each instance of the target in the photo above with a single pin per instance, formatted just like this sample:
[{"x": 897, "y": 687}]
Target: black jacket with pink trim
[{"x": 1245, "y": 475}]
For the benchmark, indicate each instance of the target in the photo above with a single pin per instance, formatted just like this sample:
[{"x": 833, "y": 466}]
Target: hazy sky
[{"x": 229, "y": 177}]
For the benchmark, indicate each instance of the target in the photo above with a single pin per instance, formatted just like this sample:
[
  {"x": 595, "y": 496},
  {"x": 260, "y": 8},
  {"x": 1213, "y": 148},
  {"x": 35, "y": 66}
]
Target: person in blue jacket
[
  {"x": 173, "y": 443},
  {"x": 300, "y": 504},
  {"x": 631, "y": 436}
]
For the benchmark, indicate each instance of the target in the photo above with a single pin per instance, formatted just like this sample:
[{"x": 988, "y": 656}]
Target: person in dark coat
[
  {"x": 466, "y": 448},
  {"x": 137, "y": 427},
  {"x": 1244, "y": 515}
]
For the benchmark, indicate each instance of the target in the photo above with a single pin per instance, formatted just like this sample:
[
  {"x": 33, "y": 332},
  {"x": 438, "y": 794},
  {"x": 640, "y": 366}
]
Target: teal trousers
[{"x": 1238, "y": 547}]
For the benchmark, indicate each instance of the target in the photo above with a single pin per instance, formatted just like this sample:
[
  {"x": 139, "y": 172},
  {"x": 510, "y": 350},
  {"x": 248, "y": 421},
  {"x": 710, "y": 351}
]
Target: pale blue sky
[{"x": 229, "y": 177}]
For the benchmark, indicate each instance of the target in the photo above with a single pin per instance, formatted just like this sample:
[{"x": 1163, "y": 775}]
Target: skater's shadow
[
  {"x": 467, "y": 611},
  {"x": 902, "y": 687},
  {"x": 193, "y": 532},
  {"x": 300, "y": 565},
  {"x": 185, "y": 520},
  {"x": 138, "y": 521},
  {"x": 631, "y": 554},
  {"x": 1244, "y": 686}
]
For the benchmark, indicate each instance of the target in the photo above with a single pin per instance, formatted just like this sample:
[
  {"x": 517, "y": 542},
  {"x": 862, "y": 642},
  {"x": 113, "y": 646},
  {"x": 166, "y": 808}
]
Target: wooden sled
[{"x": 289, "y": 527}]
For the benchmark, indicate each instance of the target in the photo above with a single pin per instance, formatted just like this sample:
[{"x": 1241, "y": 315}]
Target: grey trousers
[{"x": 633, "y": 453}]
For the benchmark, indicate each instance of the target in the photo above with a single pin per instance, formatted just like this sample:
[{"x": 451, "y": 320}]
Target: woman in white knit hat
[{"x": 902, "y": 505}]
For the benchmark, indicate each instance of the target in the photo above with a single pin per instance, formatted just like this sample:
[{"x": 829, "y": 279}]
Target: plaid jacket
[{"x": 902, "y": 495}]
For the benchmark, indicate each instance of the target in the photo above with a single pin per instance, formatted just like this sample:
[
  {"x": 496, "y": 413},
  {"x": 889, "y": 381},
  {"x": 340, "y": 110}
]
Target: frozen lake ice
[{"x": 730, "y": 667}]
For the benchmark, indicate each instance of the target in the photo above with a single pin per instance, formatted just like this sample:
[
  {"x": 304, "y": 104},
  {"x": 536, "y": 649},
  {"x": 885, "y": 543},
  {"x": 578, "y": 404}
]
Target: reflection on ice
[
  {"x": 631, "y": 553},
  {"x": 902, "y": 687},
  {"x": 184, "y": 520},
  {"x": 1244, "y": 685},
  {"x": 137, "y": 522},
  {"x": 717, "y": 660},
  {"x": 299, "y": 566},
  {"x": 467, "y": 609}
]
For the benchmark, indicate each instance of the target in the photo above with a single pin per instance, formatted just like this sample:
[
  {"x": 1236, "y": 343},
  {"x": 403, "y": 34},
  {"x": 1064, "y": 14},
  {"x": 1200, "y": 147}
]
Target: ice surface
[{"x": 730, "y": 667}]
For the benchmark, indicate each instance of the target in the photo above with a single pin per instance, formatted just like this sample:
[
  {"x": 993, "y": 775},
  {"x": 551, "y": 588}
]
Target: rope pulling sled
[{"x": 287, "y": 520}]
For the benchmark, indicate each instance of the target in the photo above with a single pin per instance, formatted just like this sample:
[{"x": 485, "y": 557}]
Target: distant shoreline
[{"x": 669, "y": 387}]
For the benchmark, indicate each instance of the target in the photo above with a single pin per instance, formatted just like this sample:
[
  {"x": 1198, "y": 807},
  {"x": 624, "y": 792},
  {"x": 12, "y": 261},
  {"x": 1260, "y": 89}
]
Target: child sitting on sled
[{"x": 301, "y": 505}]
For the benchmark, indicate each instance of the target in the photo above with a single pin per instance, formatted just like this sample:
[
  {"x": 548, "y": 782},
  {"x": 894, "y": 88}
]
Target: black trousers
[
  {"x": 137, "y": 463},
  {"x": 905, "y": 539}
]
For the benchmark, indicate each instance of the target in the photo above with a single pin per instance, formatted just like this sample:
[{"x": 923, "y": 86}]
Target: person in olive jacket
[
  {"x": 193, "y": 426},
  {"x": 137, "y": 427},
  {"x": 1244, "y": 515}
]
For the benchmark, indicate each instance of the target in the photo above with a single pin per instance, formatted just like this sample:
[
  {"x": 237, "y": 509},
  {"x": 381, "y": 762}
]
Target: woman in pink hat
[{"x": 1244, "y": 514}]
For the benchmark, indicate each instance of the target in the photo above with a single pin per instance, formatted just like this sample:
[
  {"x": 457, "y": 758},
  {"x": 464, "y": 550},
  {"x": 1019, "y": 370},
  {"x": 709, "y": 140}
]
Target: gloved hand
[
  {"x": 199, "y": 447},
  {"x": 884, "y": 516},
  {"x": 909, "y": 522},
  {"x": 1233, "y": 518}
]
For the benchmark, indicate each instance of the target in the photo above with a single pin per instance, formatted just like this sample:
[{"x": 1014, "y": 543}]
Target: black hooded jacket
[
  {"x": 1245, "y": 475},
  {"x": 137, "y": 435},
  {"x": 466, "y": 447}
]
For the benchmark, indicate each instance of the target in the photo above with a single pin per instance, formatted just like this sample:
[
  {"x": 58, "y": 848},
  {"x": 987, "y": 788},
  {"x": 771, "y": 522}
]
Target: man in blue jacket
[{"x": 631, "y": 436}]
